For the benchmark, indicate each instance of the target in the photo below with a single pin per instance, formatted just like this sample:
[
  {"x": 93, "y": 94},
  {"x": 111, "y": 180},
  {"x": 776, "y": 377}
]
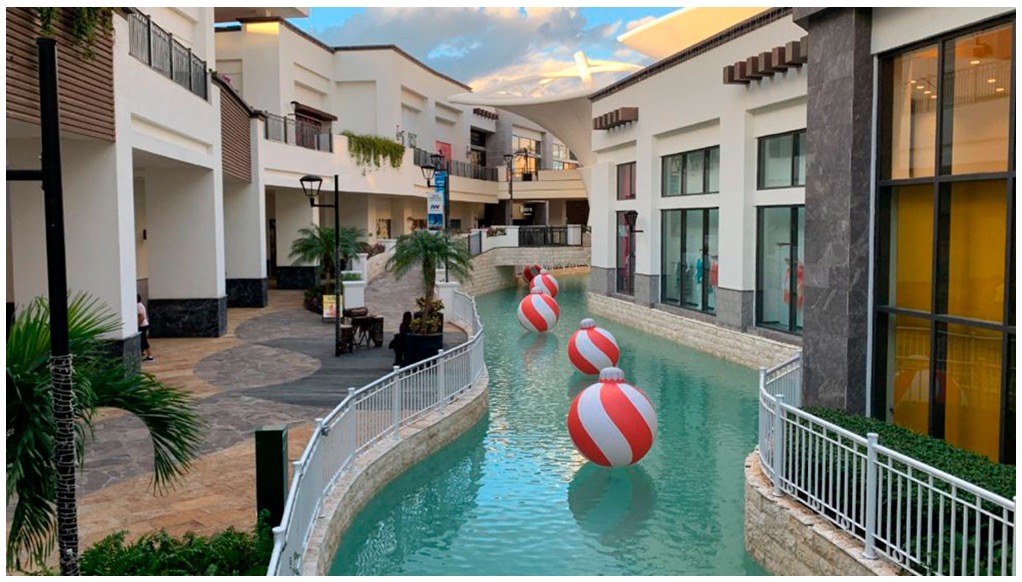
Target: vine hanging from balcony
[
  {"x": 87, "y": 25},
  {"x": 367, "y": 150}
]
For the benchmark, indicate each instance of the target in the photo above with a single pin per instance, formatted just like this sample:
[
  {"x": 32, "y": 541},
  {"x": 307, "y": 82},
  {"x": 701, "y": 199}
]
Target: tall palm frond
[
  {"x": 316, "y": 245},
  {"x": 430, "y": 250},
  {"x": 100, "y": 380}
]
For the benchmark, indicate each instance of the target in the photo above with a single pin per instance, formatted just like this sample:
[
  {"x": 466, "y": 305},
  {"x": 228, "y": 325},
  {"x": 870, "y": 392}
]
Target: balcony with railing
[
  {"x": 422, "y": 157},
  {"x": 298, "y": 132},
  {"x": 157, "y": 48}
]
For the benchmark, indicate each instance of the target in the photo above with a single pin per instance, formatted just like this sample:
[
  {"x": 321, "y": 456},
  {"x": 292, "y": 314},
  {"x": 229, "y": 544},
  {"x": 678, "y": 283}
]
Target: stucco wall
[
  {"x": 789, "y": 540},
  {"x": 747, "y": 350}
]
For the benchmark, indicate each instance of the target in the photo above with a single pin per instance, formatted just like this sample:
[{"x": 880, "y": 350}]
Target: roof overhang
[
  {"x": 234, "y": 14},
  {"x": 683, "y": 28}
]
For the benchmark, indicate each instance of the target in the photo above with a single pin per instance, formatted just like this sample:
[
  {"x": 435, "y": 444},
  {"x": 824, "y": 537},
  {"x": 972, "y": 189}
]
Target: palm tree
[
  {"x": 316, "y": 245},
  {"x": 430, "y": 249},
  {"x": 99, "y": 380}
]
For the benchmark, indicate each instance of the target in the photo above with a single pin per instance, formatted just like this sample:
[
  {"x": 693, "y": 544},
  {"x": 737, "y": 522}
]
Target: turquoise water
[{"x": 513, "y": 497}]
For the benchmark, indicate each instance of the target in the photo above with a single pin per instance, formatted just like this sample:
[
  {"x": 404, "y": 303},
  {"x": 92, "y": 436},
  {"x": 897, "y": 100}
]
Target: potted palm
[{"x": 428, "y": 250}]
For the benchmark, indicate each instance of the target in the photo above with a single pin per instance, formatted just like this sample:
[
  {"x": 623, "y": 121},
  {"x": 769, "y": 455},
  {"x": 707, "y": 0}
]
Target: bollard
[{"x": 271, "y": 471}]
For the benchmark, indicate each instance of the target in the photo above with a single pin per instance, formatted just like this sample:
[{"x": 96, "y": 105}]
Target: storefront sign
[{"x": 330, "y": 307}]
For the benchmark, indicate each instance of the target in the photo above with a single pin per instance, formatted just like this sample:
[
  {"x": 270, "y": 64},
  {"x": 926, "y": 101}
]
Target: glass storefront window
[
  {"x": 671, "y": 264},
  {"x": 969, "y": 387},
  {"x": 913, "y": 116},
  {"x": 908, "y": 372},
  {"x": 625, "y": 256},
  {"x": 626, "y": 181},
  {"x": 780, "y": 272},
  {"x": 689, "y": 262},
  {"x": 945, "y": 243},
  {"x": 976, "y": 245},
  {"x": 782, "y": 160},
  {"x": 911, "y": 253},
  {"x": 695, "y": 172},
  {"x": 977, "y": 78}
]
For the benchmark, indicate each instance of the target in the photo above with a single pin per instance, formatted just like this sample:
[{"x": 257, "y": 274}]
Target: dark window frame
[
  {"x": 705, "y": 290},
  {"x": 795, "y": 151},
  {"x": 665, "y": 160},
  {"x": 938, "y": 318},
  {"x": 628, "y": 289},
  {"x": 629, "y": 166},
  {"x": 792, "y": 327}
]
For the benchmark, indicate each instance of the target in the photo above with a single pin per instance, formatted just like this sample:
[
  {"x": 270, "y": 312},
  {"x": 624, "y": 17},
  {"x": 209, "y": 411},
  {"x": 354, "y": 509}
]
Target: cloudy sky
[{"x": 484, "y": 46}]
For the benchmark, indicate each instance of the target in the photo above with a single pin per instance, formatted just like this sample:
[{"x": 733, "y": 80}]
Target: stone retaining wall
[
  {"x": 741, "y": 348},
  {"x": 788, "y": 539},
  {"x": 498, "y": 268},
  {"x": 381, "y": 464}
]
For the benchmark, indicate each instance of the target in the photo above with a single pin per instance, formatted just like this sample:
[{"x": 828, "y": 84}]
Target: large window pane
[
  {"x": 911, "y": 253},
  {"x": 774, "y": 269},
  {"x": 712, "y": 239},
  {"x": 913, "y": 122},
  {"x": 671, "y": 263},
  {"x": 713, "y": 174},
  {"x": 978, "y": 92},
  {"x": 800, "y": 159},
  {"x": 625, "y": 256},
  {"x": 908, "y": 372},
  {"x": 694, "y": 168},
  {"x": 692, "y": 288},
  {"x": 626, "y": 181},
  {"x": 979, "y": 213},
  {"x": 672, "y": 166},
  {"x": 775, "y": 159},
  {"x": 971, "y": 388}
]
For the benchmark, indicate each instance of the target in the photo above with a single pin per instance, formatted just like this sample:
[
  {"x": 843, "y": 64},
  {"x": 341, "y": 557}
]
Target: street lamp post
[
  {"x": 428, "y": 171},
  {"x": 311, "y": 186},
  {"x": 509, "y": 159}
]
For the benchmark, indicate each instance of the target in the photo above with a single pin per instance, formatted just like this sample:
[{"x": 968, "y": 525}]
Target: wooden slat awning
[
  {"x": 307, "y": 111},
  {"x": 619, "y": 116},
  {"x": 777, "y": 60}
]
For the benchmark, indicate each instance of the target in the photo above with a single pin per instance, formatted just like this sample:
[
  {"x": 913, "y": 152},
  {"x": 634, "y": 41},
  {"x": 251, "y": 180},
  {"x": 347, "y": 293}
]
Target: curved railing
[
  {"x": 923, "y": 519},
  {"x": 367, "y": 416}
]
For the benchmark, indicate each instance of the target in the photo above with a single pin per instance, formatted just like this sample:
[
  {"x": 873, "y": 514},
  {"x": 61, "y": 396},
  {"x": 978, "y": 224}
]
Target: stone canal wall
[
  {"x": 789, "y": 540},
  {"x": 741, "y": 348},
  {"x": 498, "y": 268}
]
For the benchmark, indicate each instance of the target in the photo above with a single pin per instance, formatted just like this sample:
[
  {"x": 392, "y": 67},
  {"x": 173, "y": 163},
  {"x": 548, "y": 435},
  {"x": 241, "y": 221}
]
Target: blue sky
[{"x": 484, "y": 46}]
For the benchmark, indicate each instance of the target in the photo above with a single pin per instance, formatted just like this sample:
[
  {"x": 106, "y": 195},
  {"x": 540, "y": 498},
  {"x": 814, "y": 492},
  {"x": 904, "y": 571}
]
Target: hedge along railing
[
  {"x": 921, "y": 518},
  {"x": 367, "y": 416}
]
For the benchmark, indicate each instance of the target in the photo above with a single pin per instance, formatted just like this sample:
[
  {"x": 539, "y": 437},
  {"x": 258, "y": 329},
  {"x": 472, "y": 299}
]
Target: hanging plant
[
  {"x": 87, "y": 25},
  {"x": 367, "y": 150}
]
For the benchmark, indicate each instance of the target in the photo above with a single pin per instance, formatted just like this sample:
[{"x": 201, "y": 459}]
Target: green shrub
[
  {"x": 227, "y": 553},
  {"x": 900, "y": 502},
  {"x": 367, "y": 150},
  {"x": 965, "y": 465},
  {"x": 350, "y": 276}
]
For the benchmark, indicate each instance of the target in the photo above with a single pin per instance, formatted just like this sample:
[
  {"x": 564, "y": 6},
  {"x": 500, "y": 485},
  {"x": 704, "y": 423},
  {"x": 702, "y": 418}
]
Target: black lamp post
[
  {"x": 311, "y": 186},
  {"x": 631, "y": 217}
]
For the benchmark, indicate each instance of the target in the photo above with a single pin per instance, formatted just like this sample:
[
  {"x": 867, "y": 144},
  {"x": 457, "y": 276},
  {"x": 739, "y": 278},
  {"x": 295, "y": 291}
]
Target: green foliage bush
[
  {"x": 368, "y": 149},
  {"x": 965, "y": 465},
  {"x": 227, "y": 553}
]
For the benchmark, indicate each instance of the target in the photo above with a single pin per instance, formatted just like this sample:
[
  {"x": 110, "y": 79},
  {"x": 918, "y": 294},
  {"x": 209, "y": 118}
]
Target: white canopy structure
[{"x": 558, "y": 101}]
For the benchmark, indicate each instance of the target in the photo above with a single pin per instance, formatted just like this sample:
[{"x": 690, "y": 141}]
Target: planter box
[
  {"x": 419, "y": 347},
  {"x": 354, "y": 293}
]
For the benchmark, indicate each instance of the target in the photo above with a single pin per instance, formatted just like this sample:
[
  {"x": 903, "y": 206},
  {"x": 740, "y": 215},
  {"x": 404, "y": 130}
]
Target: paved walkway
[{"x": 274, "y": 366}]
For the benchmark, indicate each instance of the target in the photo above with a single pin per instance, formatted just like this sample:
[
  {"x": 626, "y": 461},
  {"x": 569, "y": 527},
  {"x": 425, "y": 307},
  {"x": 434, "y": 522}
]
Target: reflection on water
[{"x": 514, "y": 496}]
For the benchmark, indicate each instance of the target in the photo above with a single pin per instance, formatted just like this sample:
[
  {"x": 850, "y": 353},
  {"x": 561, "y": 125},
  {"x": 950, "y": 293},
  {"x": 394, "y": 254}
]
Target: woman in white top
[{"x": 143, "y": 329}]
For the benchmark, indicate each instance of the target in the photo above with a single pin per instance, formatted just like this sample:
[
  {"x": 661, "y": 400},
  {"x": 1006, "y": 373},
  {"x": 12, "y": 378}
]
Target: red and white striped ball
[
  {"x": 545, "y": 282},
  {"x": 529, "y": 273},
  {"x": 592, "y": 348},
  {"x": 612, "y": 423},
  {"x": 538, "y": 312}
]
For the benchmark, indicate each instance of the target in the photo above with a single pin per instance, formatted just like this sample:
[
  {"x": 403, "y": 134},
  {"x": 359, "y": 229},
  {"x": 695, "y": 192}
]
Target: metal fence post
[
  {"x": 778, "y": 468},
  {"x": 1014, "y": 529},
  {"x": 352, "y": 426},
  {"x": 871, "y": 496},
  {"x": 149, "y": 38},
  {"x": 395, "y": 406},
  {"x": 441, "y": 380},
  {"x": 190, "y": 75}
]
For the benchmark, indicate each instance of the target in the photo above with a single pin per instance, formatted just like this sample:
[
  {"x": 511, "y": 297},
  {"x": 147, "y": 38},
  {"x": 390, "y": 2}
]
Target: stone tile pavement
[{"x": 275, "y": 365}]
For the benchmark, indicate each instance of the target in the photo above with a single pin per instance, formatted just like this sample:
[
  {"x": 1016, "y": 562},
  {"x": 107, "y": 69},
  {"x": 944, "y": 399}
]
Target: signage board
[
  {"x": 330, "y": 307},
  {"x": 436, "y": 201}
]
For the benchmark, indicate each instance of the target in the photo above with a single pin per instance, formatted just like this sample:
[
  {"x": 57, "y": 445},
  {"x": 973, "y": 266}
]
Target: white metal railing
[
  {"x": 924, "y": 520},
  {"x": 369, "y": 415}
]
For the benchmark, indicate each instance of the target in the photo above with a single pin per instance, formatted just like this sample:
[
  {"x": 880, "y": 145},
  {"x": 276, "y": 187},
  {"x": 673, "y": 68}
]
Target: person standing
[
  {"x": 143, "y": 330},
  {"x": 399, "y": 343}
]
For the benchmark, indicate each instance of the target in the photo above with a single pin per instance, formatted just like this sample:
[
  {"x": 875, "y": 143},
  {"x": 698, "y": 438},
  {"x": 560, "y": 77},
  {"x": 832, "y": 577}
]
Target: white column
[
  {"x": 245, "y": 219},
  {"x": 184, "y": 213},
  {"x": 601, "y": 215},
  {"x": 292, "y": 213}
]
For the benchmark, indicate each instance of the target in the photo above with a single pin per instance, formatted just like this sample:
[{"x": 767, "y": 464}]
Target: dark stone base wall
[
  {"x": 128, "y": 350},
  {"x": 296, "y": 277},
  {"x": 188, "y": 317},
  {"x": 647, "y": 289},
  {"x": 736, "y": 309},
  {"x": 601, "y": 280},
  {"x": 247, "y": 292}
]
